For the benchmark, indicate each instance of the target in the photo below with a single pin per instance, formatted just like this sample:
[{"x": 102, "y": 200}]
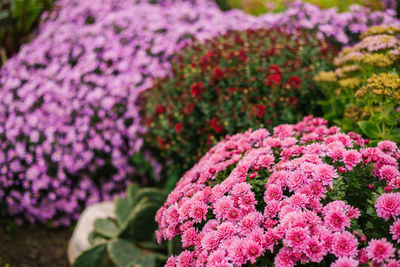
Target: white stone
[{"x": 79, "y": 240}]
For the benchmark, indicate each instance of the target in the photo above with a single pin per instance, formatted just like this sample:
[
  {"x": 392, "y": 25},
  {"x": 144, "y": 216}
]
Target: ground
[{"x": 33, "y": 246}]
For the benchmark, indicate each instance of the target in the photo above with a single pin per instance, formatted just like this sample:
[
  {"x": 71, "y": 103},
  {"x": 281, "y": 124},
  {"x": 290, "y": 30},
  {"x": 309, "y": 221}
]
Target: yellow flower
[
  {"x": 375, "y": 30},
  {"x": 350, "y": 82},
  {"x": 379, "y": 60},
  {"x": 383, "y": 84},
  {"x": 325, "y": 76}
]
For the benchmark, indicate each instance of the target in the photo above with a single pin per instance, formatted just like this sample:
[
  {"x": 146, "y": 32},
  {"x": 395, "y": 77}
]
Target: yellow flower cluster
[
  {"x": 350, "y": 82},
  {"x": 379, "y": 60},
  {"x": 382, "y": 29},
  {"x": 384, "y": 84},
  {"x": 325, "y": 76}
]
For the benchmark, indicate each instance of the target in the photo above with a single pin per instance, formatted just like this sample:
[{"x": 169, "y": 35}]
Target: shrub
[
  {"x": 308, "y": 194},
  {"x": 363, "y": 92},
  {"x": 237, "y": 81},
  {"x": 69, "y": 120}
]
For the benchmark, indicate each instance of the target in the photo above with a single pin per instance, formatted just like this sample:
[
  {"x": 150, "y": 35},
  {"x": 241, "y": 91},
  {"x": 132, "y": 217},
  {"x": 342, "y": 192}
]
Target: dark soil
[{"x": 34, "y": 246}]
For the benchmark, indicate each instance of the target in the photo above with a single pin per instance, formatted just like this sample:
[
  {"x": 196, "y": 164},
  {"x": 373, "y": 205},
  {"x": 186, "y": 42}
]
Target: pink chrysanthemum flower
[
  {"x": 352, "y": 158},
  {"x": 344, "y": 244},
  {"x": 388, "y": 205},
  {"x": 198, "y": 211},
  {"x": 387, "y": 146},
  {"x": 296, "y": 237},
  {"x": 336, "y": 220},
  {"x": 395, "y": 231},
  {"x": 185, "y": 259},
  {"x": 389, "y": 173},
  {"x": 253, "y": 250},
  {"x": 392, "y": 263},
  {"x": 380, "y": 250},
  {"x": 273, "y": 192},
  {"x": 285, "y": 258},
  {"x": 315, "y": 249},
  {"x": 325, "y": 173},
  {"x": 189, "y": 237},
  {"x": 345, "y": 262}
]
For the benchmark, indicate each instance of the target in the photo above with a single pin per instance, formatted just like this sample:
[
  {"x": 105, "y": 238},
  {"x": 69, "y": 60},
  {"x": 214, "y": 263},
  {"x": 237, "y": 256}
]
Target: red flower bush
[
  {"x": 237, "y": 81},
  {"x": 307, "y": 194}
]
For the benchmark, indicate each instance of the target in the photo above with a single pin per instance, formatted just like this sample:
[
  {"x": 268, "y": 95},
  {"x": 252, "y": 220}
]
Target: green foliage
[
  {"x": 240, "y": 80},
  {"x": 127, "y": 240},
  {"x": 363, "y": 92},
  {"x": 18, "y": 19}
]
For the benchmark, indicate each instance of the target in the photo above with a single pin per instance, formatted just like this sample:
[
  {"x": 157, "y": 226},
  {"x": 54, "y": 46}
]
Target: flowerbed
[
  {"x": 69, "y": 113},
  {"x": 237, "y": 81},
  {"x": 308, "y": 194}
]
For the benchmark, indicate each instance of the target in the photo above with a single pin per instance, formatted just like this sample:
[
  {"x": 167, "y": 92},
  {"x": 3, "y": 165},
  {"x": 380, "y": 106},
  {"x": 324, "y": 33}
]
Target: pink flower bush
[{"x": 305, "y": 194}]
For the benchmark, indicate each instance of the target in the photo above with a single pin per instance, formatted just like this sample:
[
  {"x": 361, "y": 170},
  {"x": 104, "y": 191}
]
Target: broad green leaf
[
  {"x": 131, "y": 192},
  {"x": 369, "y": 129},
  {"x": 92, "y": 257},
  {"x": 106, "y": 227},
  {"x": 122, "y": 252},
  {"x": 391, "y": 119},
  {"x": 148, "y": 261},
  {"x": 376, "y": 118},
  {"x": 123, "y": 208},
  {"x": 141, "y": 223},
  {"x": 395, "y": 135}
]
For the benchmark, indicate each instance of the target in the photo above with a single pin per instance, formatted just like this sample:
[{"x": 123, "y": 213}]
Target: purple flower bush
[
  {"x": 307, "y": 194},
  {"x": 69, "y": 119}
]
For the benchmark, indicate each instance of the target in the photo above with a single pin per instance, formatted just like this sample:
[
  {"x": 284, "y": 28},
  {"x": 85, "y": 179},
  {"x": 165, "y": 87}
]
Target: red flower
[
  {"x": 273, "y": 80},
  {"x": 219, "y": 74},
  {"x": 161, "y": 142},
  {"x": 189, "y": 108},
  {"x": 274, "y": 70},
  {"x": 196, "y": 89},
  {"x": 206, "y": 59},
  {"x": 294, "y": 81},
  {"x": 160, "y": 109},
  {"x": 179, "y": 127},
  {"x": 216, "y": 125},
  {"x": 232, "y": 89},
  {"x": 259, "y": 110}
]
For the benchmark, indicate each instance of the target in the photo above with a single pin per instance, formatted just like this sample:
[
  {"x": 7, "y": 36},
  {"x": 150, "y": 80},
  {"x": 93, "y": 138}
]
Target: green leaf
[
  {"x": 123, "y": 208},
  {"x": 96, "y": 239},
  {"x": 153, "y": 194},
  {"x": 376, "y": 118},
  {"x": 395, "y": 135},
  {"x": 131, "y": 193},
  {"x": 369, "y": 129},
  {"x": 141, "y": 223},
  {"x": 92, "y": 257},
  {"x": 391, "y": 119},
  {"x": 106, "y": 227},
  {"x": 148, "y": 261},
  {"x": 122, "y": 252}
]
